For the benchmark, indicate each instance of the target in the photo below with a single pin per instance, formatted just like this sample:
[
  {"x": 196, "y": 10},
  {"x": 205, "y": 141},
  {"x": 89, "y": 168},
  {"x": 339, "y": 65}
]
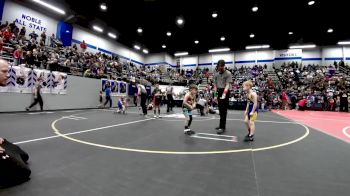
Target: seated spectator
[
  {"x": 18, "y": 56},
  {"x": 29, "y": 59}
]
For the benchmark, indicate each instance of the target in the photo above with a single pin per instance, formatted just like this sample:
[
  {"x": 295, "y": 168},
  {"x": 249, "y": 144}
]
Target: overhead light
[
  {"x": 180, "y": 21},
  {"x": 222, "y": 38},
  {"x": 139, "y": 30},
  {"x": 252, "y": 35},
  {"x": 163, "y": 46},
  {"x": 181, "y": 54},
  {"x": 214, "y": 15},
  {"x": 54, "y": 8},
  {"x": 67, "y": 31},
  {"x": 145, "y": 51},
  {"x": 196, "y": 42},
  {"x": 344, "y": 43},
  {"x": 257, "y": 47},
  {"x": 290, "y": 33},
  {"x": 219, "y": 50},
  {"x": 97, "y": 28},
  {"x": 302, "y": 46},
  {"x": 311, "y": 2},
  {"x": 114, "y": 36},
  {"x": 168, "y": 33},
  {"x": 137, "y": 47},
  {"x": 103, "y": 6},
  {"x": 255, "y": 9},
  {"x": 330, "y": 30}
]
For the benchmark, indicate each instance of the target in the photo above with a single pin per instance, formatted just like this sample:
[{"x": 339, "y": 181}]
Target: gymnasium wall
[
  {"x": 189, "y": 62},
  {"x": 106, "y": 45},
  {"x": 249, "y": 58},
  {"x": 81, "y": 93}
]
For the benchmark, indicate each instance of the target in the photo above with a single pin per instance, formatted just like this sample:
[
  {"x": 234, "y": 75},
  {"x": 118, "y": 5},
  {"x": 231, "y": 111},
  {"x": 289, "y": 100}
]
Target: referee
[{"x": 222, "y": 86}]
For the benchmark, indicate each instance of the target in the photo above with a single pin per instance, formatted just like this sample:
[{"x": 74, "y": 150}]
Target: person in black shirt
[
  {"x": 37, "y": 97},
  {"x": 33, "y": 35},
  {"x": 29, "y": 59},
  {"x": 344, "y": 105}
]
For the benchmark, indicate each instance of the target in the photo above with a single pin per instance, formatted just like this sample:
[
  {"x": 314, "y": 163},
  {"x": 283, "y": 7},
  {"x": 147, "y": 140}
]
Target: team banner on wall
[
  {"x": 118, "y": 88},
  {"x": 287, "y": 56},
  {"x": 24, "y": 80}
]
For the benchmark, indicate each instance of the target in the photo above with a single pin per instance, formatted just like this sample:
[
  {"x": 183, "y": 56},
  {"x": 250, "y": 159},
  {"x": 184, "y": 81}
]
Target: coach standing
[{"x": 222, "y": 86}]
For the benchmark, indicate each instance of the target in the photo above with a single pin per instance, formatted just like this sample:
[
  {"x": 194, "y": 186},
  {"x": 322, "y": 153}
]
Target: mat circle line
[{"x": 58, "y": 132}]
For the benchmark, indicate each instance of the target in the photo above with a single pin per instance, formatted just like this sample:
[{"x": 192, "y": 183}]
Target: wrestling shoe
[{"x": 249, "y": 138}]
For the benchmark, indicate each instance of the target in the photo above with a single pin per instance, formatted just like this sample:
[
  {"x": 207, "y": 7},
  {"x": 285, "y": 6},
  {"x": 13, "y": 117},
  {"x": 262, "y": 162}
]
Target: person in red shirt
[
  {"x": 17, "y": 56},
  {"x": 302, "y": 104},
  {"x": 83, "y": 45},
  {"x": 7, "y": 35},
  {"x": 284, "y": 100}
]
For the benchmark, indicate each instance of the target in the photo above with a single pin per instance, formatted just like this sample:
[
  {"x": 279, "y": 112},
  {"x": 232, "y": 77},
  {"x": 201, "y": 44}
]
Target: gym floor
[{"x": 97, "y": 152}]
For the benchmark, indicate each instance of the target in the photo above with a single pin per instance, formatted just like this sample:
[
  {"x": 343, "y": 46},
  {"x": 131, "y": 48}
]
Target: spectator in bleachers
[
  {"x": 22, "y": 33},
  {"x": 83, "y": 46},
  {"x": 43, "y": 37},
  {"x": 3, "y": 25},
  {"x": 29, "y": 59},
  {"x": 33, "y": 35},
  {"x": 18, "y": 56},
  {"x": 7, "y": 35},
  {"x": 52, "y": 42}
]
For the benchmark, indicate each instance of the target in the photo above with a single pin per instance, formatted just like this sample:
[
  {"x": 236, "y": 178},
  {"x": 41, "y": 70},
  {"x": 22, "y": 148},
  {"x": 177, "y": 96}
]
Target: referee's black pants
[
  {"x": 143, "y": 103},
  {"x": 223, "y": 105},
  {"x": 170, "y": 103}
]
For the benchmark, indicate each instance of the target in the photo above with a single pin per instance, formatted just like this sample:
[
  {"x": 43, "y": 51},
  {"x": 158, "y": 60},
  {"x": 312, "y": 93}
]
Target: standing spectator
[
  {"x": 83, "y": 46},
  {"x": 37, "y": 96},
  {"x": 52, "y": 40},
  {"x": 108, "y": 95},
  {"x": 33, "y": 35},
  {"x": 344, "y": 106},
  {"x": 43, "y": 37},
  {"x": 222, "y": 80},
  {"x": 22, "y": 33},
  {"x": 284, "y": 100}
]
